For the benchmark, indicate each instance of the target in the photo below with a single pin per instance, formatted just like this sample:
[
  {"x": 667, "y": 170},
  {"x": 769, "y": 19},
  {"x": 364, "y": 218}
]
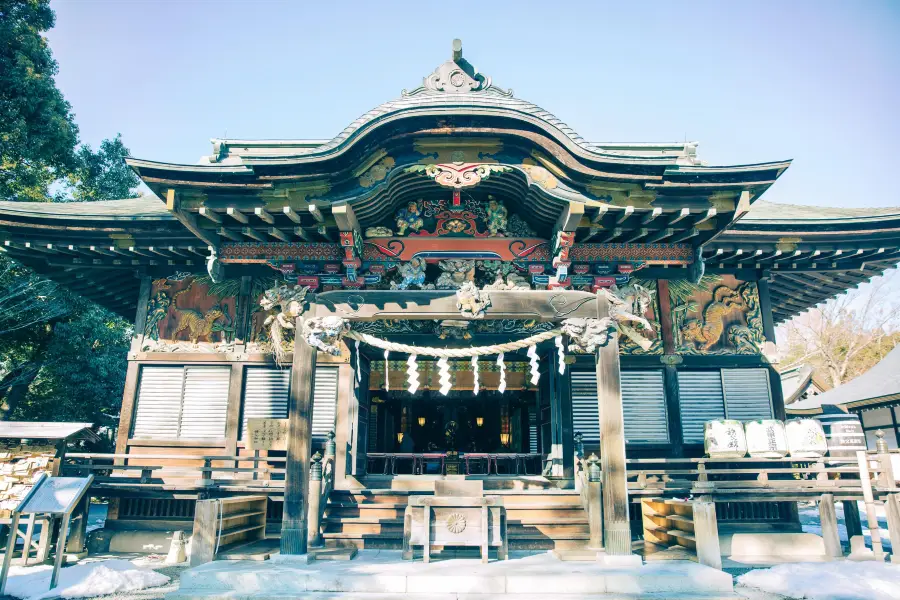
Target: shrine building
[{"x": 456, "y": 284}]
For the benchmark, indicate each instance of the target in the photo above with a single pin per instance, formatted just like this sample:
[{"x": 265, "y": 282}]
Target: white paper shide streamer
[
  {"x": 412, "y": 374},
  {"x": 444, "y": 375},
  {"x": 562, "y": 355},
  {"x": 502, "y": 386},
  {"x": 533, "y": 358},
  {"x": 358, "y": 366},
  {"x": 476, "y": 387},
  {"x": 387, "y": 384}
]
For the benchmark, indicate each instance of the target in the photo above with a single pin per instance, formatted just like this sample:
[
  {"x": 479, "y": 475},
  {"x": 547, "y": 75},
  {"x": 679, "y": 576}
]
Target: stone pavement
[{"x": 382, "y": 575}]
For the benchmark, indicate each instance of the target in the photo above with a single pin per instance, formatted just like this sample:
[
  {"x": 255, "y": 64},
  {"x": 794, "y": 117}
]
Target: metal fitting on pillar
[
  {"x": 315, "y": 469},
  {"x": 880, "y": 445},
  {"x": 593, "y": 467},
  {"x": 330, "y": 446}
]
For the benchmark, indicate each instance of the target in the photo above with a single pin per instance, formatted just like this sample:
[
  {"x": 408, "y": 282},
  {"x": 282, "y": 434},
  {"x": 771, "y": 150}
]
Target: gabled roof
[{"x": 879, "y": 384}]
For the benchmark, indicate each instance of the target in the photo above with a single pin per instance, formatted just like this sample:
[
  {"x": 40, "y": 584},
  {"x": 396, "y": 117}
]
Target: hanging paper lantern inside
[
  {"x": 479, "y": 421},
  {"x": 421, "y": 421}
]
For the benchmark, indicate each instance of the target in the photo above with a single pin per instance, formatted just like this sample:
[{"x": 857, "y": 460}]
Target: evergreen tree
[{"x": 38, "y": 134}]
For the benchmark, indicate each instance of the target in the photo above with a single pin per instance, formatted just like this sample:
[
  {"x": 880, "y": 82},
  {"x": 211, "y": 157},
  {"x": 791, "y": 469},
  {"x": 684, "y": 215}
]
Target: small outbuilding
[{"x": 874, "y": 396}]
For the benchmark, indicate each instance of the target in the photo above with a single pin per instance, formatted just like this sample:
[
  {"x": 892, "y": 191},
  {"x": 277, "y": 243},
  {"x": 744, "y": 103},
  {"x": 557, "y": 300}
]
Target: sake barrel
[
  {"x": 806, "y": 438},
  {"x": 724, "y": 439},
  {"x": 766, "y": 439}
]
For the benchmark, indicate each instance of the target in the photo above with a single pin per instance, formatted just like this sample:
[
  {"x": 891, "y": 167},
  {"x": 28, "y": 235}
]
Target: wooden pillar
[
  {"x": 78, "y": 536},
  {"x": 561, "y": 419},
  {"x": 828, "y": 520},
  {"x": 892, "y": 506},
  {"x": 765, "y": 307},
  {"x": 616, "y": 526},
  {"x": 342, "y": 424},
  {"x": 233, "y": 410},
  {"x": 706, "y": 534},
  {"x": 296, "y": 479},
  {"x": 851, "y": 519}
]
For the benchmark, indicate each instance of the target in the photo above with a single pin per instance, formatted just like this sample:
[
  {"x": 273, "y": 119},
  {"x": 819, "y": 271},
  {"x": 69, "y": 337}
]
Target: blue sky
[{"x": 818, "y": 82}]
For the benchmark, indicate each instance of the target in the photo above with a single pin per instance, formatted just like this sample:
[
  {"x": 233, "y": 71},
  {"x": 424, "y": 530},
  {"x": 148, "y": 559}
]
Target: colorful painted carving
[
  {"x": 455, "y": 273},
  {"x": 157, "y": 310},
  {"x": 496, "y": 217},
  {"x": 411, "y": 273},
  {"x": 286, "y": 303},
  {"x": 458, "y": 175},
  {"x": 409, "y": 218},
  {"x": 728, "y": 318},
  {"x": 472, "y": 302},
  {"x": 377, "y": 172},
  {"x": 198, "y": 324},
  {"x": 379, "y": 232}
]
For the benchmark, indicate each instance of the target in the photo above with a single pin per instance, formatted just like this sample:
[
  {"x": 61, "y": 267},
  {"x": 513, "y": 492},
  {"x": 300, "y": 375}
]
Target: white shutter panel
[
  {"x": 158, "y": 403},
  {"x": 747, "y": 394},
  {"x": 585, "y": 413},
  {"x": 265, "y": 394},
  {"x": 701, "y": 398},
  {"x": 324, "y": 403},
  {"x": 644, "y": 407},
  {"x": 205, "y": 404}
]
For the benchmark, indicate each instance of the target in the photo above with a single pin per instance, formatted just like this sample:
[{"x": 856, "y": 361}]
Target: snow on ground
[
  {"x": 85, "y": 580},
  {"x": 97, "y": 516},
  {"x": 839, "y": 580},
  {"x": 809, "y": 520}
]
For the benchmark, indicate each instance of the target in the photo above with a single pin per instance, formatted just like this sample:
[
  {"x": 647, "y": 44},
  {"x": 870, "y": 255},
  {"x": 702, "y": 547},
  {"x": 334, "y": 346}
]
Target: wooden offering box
[{"x": 457, "y": 515}]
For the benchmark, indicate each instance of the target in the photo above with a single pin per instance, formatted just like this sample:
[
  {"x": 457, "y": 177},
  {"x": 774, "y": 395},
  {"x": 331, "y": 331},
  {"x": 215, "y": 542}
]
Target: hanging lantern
[
  {"x": 400, "y": 438},
  {"x": 504, "y": 439},
  {"x": 479, "y": 421},
  {"x": 421, "y": 421}
]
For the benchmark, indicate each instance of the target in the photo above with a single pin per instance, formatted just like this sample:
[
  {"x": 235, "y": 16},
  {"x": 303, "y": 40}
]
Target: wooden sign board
[
  {"x": 57, "y": 495},
  {"x": 267, "y": 434}
]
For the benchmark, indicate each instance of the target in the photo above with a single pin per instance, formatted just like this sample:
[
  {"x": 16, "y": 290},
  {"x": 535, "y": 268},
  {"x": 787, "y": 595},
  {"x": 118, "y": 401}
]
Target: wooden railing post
[
  {"x": 296, "y": 483},
  {"x": 706, "y": 534},
  {"x": 828, "y": 519},
  {"x": 314, "y": 537},
  {"x": 892, "y": 504},
  {"x": 871, "y": 516},
  {"x": 616, "y": 524},
  {"x": 594, "y": 502}
]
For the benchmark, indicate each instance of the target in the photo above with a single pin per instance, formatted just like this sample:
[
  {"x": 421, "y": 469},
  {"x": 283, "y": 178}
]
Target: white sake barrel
[
  {"x": 806, "y": 438},
  {"x": 766, "y": 439},
  {"x": 724, "y": 439}
]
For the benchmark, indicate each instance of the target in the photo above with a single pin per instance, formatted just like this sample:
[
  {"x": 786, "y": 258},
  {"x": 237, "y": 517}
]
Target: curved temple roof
[
  {"x": 290, "y": 191},
  {"x": 881, "y": 383}
]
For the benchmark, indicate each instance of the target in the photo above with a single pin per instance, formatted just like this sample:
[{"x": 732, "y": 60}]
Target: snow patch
[
  {"x": 840, "y": 580},
  {"x": 84, "y": 580}
]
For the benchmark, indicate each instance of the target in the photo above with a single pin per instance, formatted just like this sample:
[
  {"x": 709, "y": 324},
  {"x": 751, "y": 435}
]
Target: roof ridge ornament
[{"x": 457, "y": 76}]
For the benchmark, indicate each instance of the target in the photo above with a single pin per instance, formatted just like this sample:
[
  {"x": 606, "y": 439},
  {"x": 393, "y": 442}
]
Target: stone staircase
[{"x": 538, "y": 518}]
